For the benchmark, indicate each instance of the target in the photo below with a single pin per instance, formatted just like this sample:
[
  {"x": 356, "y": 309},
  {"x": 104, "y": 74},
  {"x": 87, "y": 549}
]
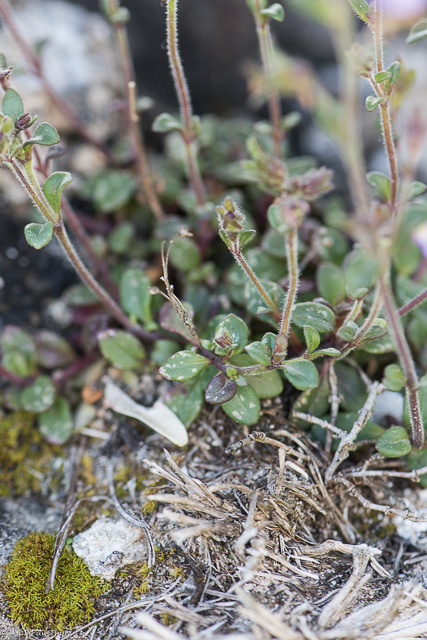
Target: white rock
[
  {"x": 388, "y": 404},
  {"x": 416, "y": 532},
  {"x": 109, "y": 545}
]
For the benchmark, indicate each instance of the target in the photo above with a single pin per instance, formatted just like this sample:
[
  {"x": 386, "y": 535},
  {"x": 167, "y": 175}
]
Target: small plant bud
[
  {"x": 23, "y": 122},
  {"x": 280, "y": 349},
  {"x": 224, "y": 340},
  {"x": 230, "y": 220},
  {"x": 287, "y": 213}
]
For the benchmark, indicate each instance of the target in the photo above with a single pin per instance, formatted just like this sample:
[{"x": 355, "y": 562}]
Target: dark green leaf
[
  {"x": 112, "y": 189},
  {"x": 350, "y": 387},
  {"x": 54, "y": 186},
  {"x": 12, "y": 105},
  {"x": 418, "y": 32},
  {"x": 121, "y": 237},
  {"x": 56, "y": 424},
  {"x": 269, "y": 339},
  {"x": 135, "y": 295},
  {"x": 38, "y": 235},
  {"x": 238, "y": 331},
  {"x": 394, "y": 69},
  {"x": 18, "y": 351},
  {"x": 266, "y": 385},
  {"x": 314, "y": 314},
  {"x": 360, "y": 272},
  {"x": 122, "y": 349},
  {"x": 312, "y": 338},
  {"x": 45, "y": 135},
  {"x": 220, "y": 389},
  {"x": 39, "y": 396},
  {"x": 162, "y": 350},
  {"x": 313, "y": 401},
  {"x": 245, "y": 407},
  {"x": 381, "y": 185},
  {"x": 53, "y": 351},
  {"x": 183, "y": 366},
  {"x": 301, "y": 373},
  {"x": 348, "y": 331},
  {"x": 416, "y": 460},
  {"x": 380, "y": 345},
  {"x": 394, "y": 443},
  {"x": 185, "y": 254}
]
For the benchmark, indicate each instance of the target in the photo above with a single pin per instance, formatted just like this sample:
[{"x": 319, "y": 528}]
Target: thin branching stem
[
  {"x": 385, "y": 105},
  {"x": 406, "y": 362},
  {"x": 267, "y": 52},
  {"x": 33, "y": 60},
  {"x": 31, "y": 186},
  {"x": 183, "y": 94},
  {"x": 135, "y": 134},
  {"x": 240, "y": 258},
  {"x": 367, "y": 323},
  {"x": 412, "y": 304},
  {"x": 293, "y": 275}
]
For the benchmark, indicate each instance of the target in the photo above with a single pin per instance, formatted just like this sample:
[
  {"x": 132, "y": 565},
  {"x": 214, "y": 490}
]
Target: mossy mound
[
  {"x": 69, "y": 604},
  {"x": 24, "y": 455}
]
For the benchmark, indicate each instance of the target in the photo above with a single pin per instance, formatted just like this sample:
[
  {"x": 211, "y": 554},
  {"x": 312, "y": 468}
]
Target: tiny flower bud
[{"x": 23, "y": 122}]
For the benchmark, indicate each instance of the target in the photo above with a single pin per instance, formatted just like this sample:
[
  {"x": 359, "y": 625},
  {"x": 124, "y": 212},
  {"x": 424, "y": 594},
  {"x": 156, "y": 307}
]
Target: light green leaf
[
  {"x": 361, "y": 9},
  {"x": 331, "y": 352},
  {"x": 312, "y": 338},
  {"x": 418, "y": 32},
  {"x": 274, "y": 11},
  {"x": 122, "y": 349},
  {"x": 162, "y": 350},
  {"x": 245, "y": 407},
  {"x": 302, "y": 374},
  {"x": 360, "y": 270},
  {"x": 12, "y": 105},
  {"x": 18, "y": 351},
  {"x": 394, "y": 69},
  {"x": 381, "y": 185},
  {"x": 183, "y": 366},
  {"x": 330, "y": 282},
  {"x": 316, "y": 315},
  {"x": 112, "y": 189},
  {"x": 165, "y": 123},
  {"x": 416, "y": 189},
  {"x": 121, "y": 237},
  {"x": 381, "y": 76},
  {"x": 38, "y": 235},
  {"x": 39, "y": 396},
  {"x": 394, "y": 443},
  {"x": 258, "y": 352},
  {"x": 56, "y": 424},
  {"x": 185, "y": 254},
  {"x": 348, "y": 331},
  {"x": 372, "y": 102},
  {"x": 269, "y": 339},
  {"x": 394, "y": 379},
  {"x": 45, "y": 135},
  {"x": 383, "y": 344},
  {"x": 135, "y": 296},
  {"x": 54, "y": 186}
]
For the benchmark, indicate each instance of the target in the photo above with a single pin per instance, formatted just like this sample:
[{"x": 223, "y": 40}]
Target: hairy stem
[
  {"x": 409, "y": 306},
  {"x": 266, "y": 49},
  {"x": 406, "y": 362},
  {"x": 135, "y": 134},
  {"x": 366, "y": 324},
  {"x": 33, "y": 60},
  {"x": 385, "y": 106},
  {"x": 238, "y": 255},
  {"x": 183, "y": 94},
  {"x": 293, "y": 275},
  {"x": 32, "y": 187}
]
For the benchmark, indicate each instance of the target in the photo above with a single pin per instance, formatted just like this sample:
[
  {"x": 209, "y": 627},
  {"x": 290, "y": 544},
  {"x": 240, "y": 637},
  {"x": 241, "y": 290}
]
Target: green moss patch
[{"x": 69, "y": 604}]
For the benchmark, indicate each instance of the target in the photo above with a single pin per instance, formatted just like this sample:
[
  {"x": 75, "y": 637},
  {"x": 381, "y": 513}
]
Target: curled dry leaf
[{"x": 157, "y": 417}]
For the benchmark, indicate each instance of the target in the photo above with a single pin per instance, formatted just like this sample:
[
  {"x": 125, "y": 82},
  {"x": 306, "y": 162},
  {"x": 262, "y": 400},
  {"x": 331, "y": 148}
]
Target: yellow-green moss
[
  {"x": 24, "y": 455},
  {"x": 24, "y": 583}
]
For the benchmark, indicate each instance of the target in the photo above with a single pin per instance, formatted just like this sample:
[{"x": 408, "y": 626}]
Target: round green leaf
[
  {"x": 418, "y": 32},
  {"x": 381, "y": 76},
  {"x": 330, "y": 282},
  {"x": 183, "y": 366},
  {"x": 185, "y": 254},
  {"x": 45, "y": 135},
  {"x": 381, "y": 185},
  {"x": 266, "y": 385},
  {"x": 39, "y": 396},
  {"x": 122, "y": 349},
  {"x": 18, "y": 351},
  {"x": 394, "y": 379},
  {"x": 135, "y": 295},
  {"x": 372, "y": 102},
  {"x": 236, "y": 329},
  {"x": 56, "y": 424},
  {"x": 316, "y": 315},
  {"x": 275, "y": 12},
  {"x": 12, "y": 105},
  {"x": 165, "y": 123},
  {"x": 258, "y": 352},
  {"x": 302, "y": 374},
  {"x": 53, "y": 351},
  {"x": 312, "y": 338},
  {"x": 394, "y": 443},
  {"x": 360, "y": 271},
  {"x": 38, "y": 235},
  {"x": 162, "y": 350},
  {"x": 245, "y": 407},
  {"x": 112, "y": 189},
  {"x": 54, "y": 186}
]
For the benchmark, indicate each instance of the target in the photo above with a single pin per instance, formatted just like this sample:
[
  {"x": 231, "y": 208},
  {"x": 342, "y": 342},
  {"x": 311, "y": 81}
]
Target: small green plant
[
  {"x": 269, "y": 282},
  {"x": 24, "y": 586}
]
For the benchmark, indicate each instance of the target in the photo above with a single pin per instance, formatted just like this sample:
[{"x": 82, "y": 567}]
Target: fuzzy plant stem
[
  {"x": 412, "y": 304},
  {"x": 266, "y": 50},
  {"x": 293, "y": 275},
  {"x": 33, "y": 60},
  {"x": 134, "y": 129},
  {"x": 385, "y": 105},
  {"x": 29, "y": 182},
  {"x": 183, "y": 94},
  {"x": 241, "y": 260},
  {"x": 366, "y": 324},
  {"x": 406, "y": 362}
]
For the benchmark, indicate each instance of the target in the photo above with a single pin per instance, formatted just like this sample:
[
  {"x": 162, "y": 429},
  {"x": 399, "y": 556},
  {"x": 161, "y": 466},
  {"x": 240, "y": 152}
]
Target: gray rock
[{"x": 388, "y": 409}]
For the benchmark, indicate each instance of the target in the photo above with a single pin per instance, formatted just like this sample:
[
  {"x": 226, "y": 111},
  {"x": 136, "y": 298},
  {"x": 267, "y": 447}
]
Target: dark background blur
[{"x": 216, "y": 38}]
